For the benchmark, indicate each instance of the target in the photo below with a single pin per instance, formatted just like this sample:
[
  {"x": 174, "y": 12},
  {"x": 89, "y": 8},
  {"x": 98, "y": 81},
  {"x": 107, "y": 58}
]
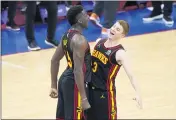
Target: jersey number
[
  {"x": 95, "y": 66},
  {"x": 69, "y": 60}
]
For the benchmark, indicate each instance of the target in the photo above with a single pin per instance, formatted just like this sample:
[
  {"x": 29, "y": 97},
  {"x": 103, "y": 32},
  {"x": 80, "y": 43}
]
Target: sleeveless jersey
[
  {"x": 104, "y": 66},
  {"x": 66, "y": 39}
]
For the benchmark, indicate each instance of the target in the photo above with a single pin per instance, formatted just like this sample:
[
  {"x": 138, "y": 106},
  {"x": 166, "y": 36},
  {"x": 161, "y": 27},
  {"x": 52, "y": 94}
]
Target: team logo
[
  {"x": 65, "y": 42},
  {"x": 108, "y": 52},
  {"x": 102, "y": 96},
  {"x": 98, "y": 45}
]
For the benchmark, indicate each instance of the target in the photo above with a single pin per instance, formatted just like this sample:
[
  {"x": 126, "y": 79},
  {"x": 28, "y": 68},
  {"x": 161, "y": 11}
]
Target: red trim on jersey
[
  {"x": 110, "y": 97},
  {"x": 115, "y": 57},
  {"x": 109, "y": 94},
  {"x": 99, "y": 42},
  {"x": 75, "y": 100},
  {"x": 115, "y": 105},
  {"x": 73, "y": 31}
]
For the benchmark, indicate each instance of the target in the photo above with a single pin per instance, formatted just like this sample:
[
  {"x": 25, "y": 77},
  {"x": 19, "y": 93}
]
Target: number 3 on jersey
[{"x": 95, "y": 66}]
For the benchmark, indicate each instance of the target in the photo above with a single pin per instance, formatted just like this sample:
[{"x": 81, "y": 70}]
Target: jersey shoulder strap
[{"x": 113, "y": 54}]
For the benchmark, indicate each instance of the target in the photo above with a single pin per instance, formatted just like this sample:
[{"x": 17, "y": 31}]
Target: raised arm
[
  {"x": 122, "y": 59},
  {"x": 55, "y": 63},
  {"x": 79, "y": 47}
]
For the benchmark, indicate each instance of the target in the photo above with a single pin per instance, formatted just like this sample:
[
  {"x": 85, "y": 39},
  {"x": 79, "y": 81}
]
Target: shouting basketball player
[
  {"x": 72, "y": 98},
  {"x": 107, "y": 58}
]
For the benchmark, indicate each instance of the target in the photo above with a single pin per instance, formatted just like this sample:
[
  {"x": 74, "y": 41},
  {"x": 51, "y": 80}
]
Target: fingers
[
  {"x": 139, "y": 103},
  {"x": 53, "y": 94}
]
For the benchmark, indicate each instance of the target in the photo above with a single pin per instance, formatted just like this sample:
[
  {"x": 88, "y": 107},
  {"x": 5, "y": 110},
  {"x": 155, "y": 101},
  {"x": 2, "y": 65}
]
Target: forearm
[
  {"x": 134, "y": 84},
  {"x": 54, "y": 72},
  {"x": 79, "y": 79}
]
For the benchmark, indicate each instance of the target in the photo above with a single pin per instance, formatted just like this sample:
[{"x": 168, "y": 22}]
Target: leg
[
  {"x": 98, "y": 9},
  {"x": 72, "y": 100},
  {"x": 156, "y": 7},
  {"x": 167, "y": 8},
  {"x": 11, "y": 15},
  {"x": 156, "y": 13},
  {"x": 110, "y": 9},
  {"x": 103, "y": 106},
  {"x": 52, "y": 21},
  {"x": 30, "y": 15},
  {"x": 60, "y": 102},
  {"x": 167, "y": 12},
  {"x": 91, "y": 113},
  {"x": 11, "y": 11}
]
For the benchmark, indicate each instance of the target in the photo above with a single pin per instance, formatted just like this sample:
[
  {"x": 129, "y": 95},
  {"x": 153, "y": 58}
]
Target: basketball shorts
[
  {"x": 103, "y": 104},
  {"x": 69, "y": 99}
]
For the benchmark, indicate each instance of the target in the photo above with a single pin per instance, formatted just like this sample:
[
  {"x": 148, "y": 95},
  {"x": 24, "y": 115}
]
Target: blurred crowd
[{"x": 107, "y": 8}]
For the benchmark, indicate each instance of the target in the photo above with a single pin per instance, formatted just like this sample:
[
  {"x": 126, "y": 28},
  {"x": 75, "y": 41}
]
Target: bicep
[
  {"x": 125, "y": 62},
  {"x": 59, "y": 53},
  {"x": 79, "y": 49}
]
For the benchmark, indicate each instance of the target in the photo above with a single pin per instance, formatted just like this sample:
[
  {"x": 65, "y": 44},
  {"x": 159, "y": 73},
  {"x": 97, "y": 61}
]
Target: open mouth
[{"x": 111, "y": 33}]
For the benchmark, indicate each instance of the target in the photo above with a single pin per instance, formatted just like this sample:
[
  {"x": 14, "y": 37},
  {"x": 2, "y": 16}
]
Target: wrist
[
  {"x": 53, "y": 85},
  {"x": 83, "y": 99}
]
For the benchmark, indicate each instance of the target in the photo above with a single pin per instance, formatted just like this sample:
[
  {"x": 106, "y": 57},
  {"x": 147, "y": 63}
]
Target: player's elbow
[
  {"x": 55, "y": 62},
  {"x": 130, "y": 77}
]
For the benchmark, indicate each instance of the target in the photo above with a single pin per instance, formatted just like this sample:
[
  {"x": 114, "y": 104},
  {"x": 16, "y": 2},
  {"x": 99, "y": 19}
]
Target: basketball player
[
  {"x": 107, "y": 58},
  {"x": 72, "y": 98}
]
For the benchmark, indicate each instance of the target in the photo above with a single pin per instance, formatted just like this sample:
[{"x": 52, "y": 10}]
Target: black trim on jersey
[
  {"x": 99, "y": 42},
  {"x": 113, "y": 55}
]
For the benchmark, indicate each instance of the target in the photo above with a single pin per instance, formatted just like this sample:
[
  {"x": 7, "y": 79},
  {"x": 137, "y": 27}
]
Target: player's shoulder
[
  {"x": 79, "y": 41},
  {"x": 120, "y": 54}
]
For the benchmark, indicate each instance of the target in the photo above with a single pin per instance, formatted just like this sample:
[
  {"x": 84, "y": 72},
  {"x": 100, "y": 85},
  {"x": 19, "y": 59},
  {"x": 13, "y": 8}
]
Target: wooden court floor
[{"x": 26, "y": 80}]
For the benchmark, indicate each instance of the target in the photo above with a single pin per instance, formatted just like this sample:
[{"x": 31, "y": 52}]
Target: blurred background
[{"x": 143, "y": 17}]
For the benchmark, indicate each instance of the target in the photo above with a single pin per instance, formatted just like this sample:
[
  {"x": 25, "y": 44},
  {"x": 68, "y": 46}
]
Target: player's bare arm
[
  {"x": 79, "y": 47},
  {"x": 55, "y": 63},
  {"x": 123, "y": 60}
]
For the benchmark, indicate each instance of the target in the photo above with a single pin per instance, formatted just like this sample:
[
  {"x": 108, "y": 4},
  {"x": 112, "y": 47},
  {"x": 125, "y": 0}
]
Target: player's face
[
  {"x": 84, "y": 18},
  {"x": 116, "y": 31}
]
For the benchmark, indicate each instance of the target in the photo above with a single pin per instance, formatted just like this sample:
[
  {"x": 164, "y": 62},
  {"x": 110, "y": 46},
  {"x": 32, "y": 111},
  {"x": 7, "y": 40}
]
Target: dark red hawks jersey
[
  {"x": 69, "y": 54},
  {"x": 104, "y": 66}
]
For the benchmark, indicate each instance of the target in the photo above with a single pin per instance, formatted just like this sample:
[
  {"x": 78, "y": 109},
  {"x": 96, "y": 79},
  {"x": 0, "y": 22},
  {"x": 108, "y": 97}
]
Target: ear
[{"x": 122, "y": 35}]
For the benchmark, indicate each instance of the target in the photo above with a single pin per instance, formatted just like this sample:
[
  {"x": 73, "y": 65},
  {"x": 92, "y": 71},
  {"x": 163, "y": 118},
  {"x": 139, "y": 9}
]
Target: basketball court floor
[
  {"x": 26, "y": 80},
  {"x": 26, "y": 75}
]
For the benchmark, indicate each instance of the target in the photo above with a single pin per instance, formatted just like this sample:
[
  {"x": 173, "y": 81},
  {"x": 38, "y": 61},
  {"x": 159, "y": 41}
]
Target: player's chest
[{"x": 102, "y": 56}]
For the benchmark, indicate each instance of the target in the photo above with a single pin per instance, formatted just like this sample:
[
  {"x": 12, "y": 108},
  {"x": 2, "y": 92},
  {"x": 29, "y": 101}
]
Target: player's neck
[
  {"x": 111, "y": 43},
  {"x": 77, "y": 27}
]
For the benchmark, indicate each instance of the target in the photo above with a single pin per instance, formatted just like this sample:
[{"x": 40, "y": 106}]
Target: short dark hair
[{"x": 72, "y": 13}]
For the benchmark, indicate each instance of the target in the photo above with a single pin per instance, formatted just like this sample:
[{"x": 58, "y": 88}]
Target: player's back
[
  {"x": 104, "y": 66},
  {"x": 66, "y": 45}
]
